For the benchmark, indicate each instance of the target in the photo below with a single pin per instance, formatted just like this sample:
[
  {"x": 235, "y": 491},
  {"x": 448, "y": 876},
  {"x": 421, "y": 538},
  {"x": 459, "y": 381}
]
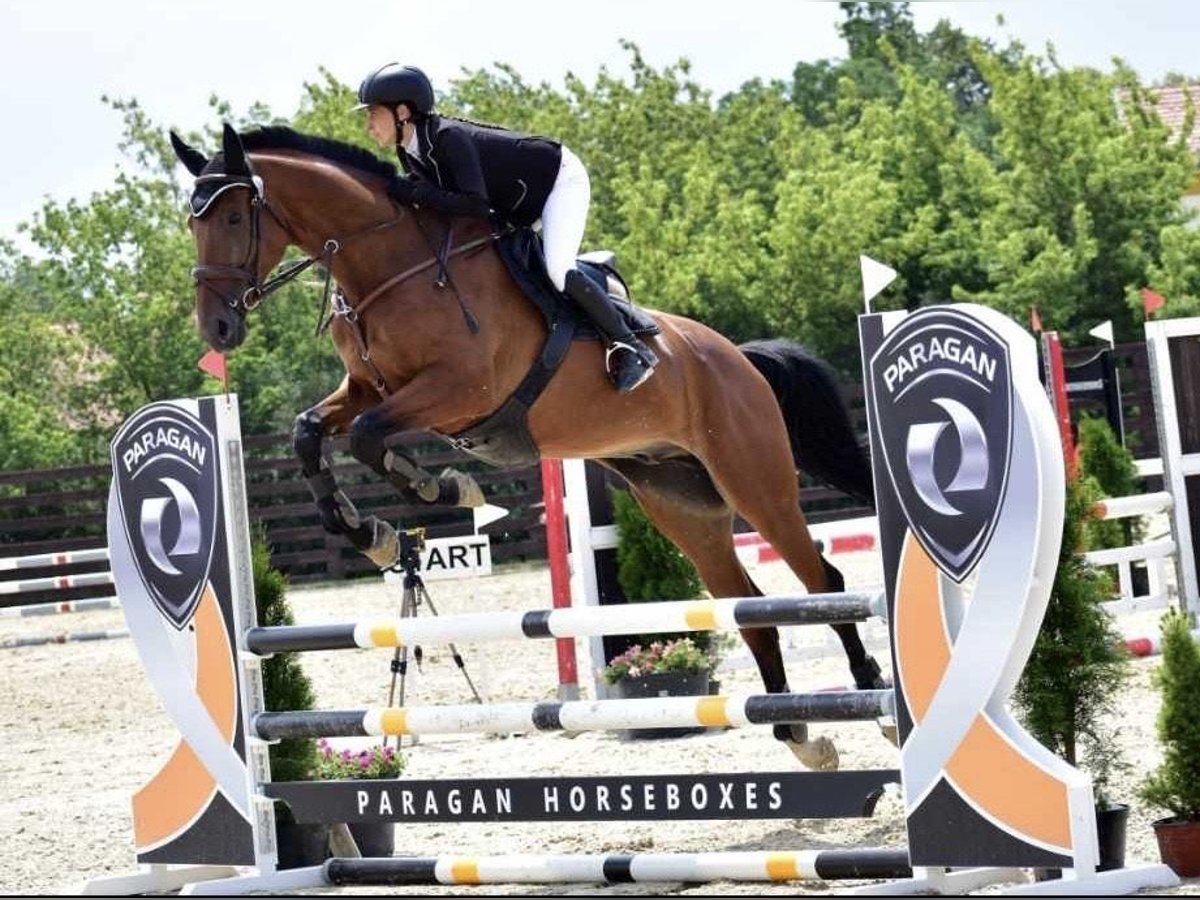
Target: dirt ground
[{"x": 82, "y": 731}]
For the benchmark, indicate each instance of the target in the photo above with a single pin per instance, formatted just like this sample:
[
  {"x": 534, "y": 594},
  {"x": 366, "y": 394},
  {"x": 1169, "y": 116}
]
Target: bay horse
[{"x": 435, "y": 335}]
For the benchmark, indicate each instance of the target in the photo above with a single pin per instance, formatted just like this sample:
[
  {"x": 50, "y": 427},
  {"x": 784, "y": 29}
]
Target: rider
[{"x": 462, "y": 168}]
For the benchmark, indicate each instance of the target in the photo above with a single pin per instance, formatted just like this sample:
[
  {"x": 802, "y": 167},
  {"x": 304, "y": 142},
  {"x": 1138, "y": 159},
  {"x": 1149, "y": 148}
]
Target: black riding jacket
[{"x": 467, "y": 169}]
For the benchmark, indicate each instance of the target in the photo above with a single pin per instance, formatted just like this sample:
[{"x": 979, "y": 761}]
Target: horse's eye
[{"x": 234, "y": 218}]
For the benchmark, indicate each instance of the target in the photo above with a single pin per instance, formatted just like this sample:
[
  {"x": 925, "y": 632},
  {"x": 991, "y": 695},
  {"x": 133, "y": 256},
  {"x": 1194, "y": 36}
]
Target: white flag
[
  {"x": 1104, "y": 331},
  {"x": 875, "y": 277},
  {"x": 487, "y": 514}
]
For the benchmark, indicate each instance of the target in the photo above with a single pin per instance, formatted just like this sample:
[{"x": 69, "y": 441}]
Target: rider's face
[{"x": 381, "y": 125}]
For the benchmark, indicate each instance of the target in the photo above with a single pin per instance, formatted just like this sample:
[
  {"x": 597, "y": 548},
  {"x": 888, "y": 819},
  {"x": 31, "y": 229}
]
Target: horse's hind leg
[
  {"x": 679, "y": 498},
  {"x": 863, "y": 667},
  {"x": 752, "y": 467}
]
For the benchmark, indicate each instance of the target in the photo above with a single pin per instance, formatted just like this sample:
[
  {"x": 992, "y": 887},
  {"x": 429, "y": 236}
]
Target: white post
[{"x": 1176, "y": 466}]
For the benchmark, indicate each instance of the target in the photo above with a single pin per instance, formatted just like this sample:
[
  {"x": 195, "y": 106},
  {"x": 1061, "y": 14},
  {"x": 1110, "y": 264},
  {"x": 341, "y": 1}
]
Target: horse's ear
[
  {"x": 235, "y": 153},
  {"x": 193, "y": 160}
]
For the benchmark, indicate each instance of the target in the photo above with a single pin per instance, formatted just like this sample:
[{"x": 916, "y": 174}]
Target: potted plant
[
  {"x": 672, "y": 668},
  {"x": 378, "y": 761},
  {"x": 651, "y": 568},
  {"x": 1175, "y": 784},
  {"x": 1067, "y": 694},
  {"x": 286, "y": 687}
]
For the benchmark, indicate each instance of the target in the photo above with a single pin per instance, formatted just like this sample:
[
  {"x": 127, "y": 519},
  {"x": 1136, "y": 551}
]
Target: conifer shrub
[
  {"x": 285, "y": 686},
  {"x": 1103, "y": 458},
  {"x": 1175, "y": 784},
  {"x": 1067, "y": 695}
]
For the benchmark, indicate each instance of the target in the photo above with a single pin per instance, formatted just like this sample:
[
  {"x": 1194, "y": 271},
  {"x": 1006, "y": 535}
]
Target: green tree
[
  {"x": 980, "y": 173},
  {"x": 1084, "y": 190}
]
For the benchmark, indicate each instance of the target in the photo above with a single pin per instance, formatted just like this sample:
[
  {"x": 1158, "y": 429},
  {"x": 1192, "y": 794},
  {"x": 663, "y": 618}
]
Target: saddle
[
  {"x": 521, "y": 250},
  {"x": 503, "y": 438}
]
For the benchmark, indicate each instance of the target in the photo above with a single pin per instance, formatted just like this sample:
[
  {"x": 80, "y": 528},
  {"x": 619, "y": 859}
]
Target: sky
[{"x": 58, "y": 57}]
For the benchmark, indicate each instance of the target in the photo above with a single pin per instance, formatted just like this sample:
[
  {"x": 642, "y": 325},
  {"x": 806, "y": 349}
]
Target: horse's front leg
[
  {"x": 433, "y": 396},
  {"x": 333, "y": 415}
]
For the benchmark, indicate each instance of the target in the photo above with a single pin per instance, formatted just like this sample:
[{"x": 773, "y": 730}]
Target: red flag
[
  {"x": 1152, "y": 302},
  {"x": 213, "y": 363},
  {"x": 1035, "y": 320}
]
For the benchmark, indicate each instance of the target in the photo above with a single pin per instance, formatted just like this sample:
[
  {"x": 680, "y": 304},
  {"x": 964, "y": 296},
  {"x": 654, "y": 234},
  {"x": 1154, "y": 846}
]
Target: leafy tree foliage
[{"x": 979, "y": 172}]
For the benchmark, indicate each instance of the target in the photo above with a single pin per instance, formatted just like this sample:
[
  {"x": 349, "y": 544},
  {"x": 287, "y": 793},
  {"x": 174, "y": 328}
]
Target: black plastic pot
[
  {"x": 1110, "y": 828},
  {"x": 374, "y": 838},
  {"x": 301, "y": 845},
  {"x": 662, "y": 684},
  {"x": 1110, "y": 832}
]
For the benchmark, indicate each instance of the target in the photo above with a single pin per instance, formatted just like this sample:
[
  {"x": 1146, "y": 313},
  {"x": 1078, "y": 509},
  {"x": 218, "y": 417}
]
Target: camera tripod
[{"x": 412, "y": 542}]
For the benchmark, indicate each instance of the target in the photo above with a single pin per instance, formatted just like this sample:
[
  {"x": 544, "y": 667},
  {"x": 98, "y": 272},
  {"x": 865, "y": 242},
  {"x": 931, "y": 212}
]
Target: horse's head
[{"x": 236, "y": 246}]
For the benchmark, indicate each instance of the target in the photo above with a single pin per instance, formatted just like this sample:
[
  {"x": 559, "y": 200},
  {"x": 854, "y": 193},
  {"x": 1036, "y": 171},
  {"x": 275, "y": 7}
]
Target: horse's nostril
[{"x": 222, "y": 329}]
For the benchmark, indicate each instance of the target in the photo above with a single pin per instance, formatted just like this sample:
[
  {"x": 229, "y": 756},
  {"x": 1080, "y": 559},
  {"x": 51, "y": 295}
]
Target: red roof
[{"x": 1171, "y": 106}]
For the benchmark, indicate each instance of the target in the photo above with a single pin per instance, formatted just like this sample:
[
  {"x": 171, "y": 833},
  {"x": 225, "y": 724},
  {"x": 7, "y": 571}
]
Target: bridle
[{"x": 256, "y": 292}]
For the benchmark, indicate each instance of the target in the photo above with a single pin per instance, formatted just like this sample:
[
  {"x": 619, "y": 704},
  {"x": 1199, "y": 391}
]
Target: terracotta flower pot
[{"x": 1179, "y": 845}]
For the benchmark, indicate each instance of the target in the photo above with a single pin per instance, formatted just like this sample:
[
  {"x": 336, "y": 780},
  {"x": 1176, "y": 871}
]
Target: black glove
[
  {"x": 402, "y": 189},
  {"x": 450, "y": 203}
]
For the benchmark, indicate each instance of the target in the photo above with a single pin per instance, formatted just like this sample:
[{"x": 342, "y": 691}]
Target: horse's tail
[{"x": 823, "y": 441}]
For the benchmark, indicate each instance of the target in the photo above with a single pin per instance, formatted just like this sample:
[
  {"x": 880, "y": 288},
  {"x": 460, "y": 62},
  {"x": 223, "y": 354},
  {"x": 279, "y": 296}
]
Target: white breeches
[{"x": 564, "y": 217}]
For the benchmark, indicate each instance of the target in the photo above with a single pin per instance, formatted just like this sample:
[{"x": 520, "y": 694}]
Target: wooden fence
[{"x": 56, "y": 510}]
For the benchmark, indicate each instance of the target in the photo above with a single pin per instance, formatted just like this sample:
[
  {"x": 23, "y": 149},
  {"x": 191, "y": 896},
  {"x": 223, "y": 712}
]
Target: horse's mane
[{"x": 280, "y": 137}]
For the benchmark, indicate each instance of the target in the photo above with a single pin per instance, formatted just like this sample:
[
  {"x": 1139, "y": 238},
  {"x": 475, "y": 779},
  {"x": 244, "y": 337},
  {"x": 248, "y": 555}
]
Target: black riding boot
[{"x": 629, "y": 361}]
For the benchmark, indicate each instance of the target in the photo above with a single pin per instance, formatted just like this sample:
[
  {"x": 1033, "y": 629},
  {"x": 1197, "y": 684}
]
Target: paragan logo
[
  {"x": 164, "y": 467},
  {"x": 943, "y": 407}
]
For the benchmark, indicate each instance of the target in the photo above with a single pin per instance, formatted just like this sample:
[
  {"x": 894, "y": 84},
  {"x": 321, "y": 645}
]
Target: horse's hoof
[
  {"x": 385, "y": 548},
  {"x": 467, "y": 490},
  {"x": 887, "y": 725},
  {"x": 818, "y": 754}
]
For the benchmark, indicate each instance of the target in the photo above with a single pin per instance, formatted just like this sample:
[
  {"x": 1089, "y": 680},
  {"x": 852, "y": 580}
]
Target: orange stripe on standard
[
  {"x": 1013, "y": 790},
  {"x": 701, "y": 615},
  {"x": 394, "y": 721},
  {"x": 384, "y": 635},
  {"x": 988, "y": 770},
  {"x": 782, "y": 867},
  {"x": 712, "y": 711},
  {"x": 922, "y": 646},
  {"x": 183, "y": 787},
  {"x": 464, "y": 870}
]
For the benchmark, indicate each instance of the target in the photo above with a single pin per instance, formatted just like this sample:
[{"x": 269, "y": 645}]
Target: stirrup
[{"x": 645, "y": 362}]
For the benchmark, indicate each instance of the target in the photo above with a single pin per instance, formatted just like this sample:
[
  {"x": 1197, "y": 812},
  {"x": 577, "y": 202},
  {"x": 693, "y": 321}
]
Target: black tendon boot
[{"x": 629, "y": 361}]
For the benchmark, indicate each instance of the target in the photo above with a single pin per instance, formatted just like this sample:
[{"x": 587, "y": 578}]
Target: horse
[{"x": 436, "y": 335}]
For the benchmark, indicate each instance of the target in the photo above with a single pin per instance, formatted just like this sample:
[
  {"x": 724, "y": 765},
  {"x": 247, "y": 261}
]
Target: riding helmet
[{"x": 393, "y": 84}]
